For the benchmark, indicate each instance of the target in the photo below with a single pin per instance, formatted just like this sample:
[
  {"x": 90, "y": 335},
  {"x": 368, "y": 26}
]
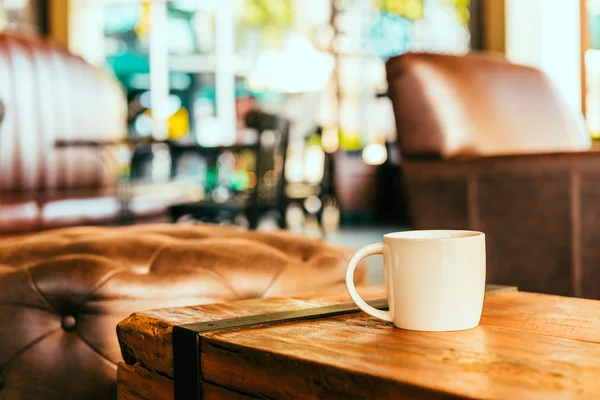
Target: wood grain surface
[
  {"x": 139, "y": 383},
  {"x": 147, "y": 337},
  {"x": 569, "y": 318},
  {"x": 528, "y": 346},
  {"x": 213, "y": 392}
]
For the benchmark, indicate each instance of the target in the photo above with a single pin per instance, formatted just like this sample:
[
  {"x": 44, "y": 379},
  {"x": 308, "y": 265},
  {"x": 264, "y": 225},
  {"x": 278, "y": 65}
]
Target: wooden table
[{"x": 527, "y": 346}]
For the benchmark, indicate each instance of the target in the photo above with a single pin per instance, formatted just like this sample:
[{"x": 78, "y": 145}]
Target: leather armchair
[
  {"x": 49, "y": 94},
  {"x": 491, "y": 146},
  {"x": 63, "y": 292}
]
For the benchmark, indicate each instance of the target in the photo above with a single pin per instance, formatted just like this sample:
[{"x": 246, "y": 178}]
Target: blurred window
[
  {"x": 592, "y": 69},
  {"x": 22, "y": 15},
  {"x": 204, "y": 64}
]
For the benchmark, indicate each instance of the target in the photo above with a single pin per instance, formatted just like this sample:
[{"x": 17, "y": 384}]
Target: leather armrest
[{"x": 519, "y": 164}]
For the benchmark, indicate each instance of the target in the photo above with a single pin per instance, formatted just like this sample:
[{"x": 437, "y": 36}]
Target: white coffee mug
[{"x": 435, "y": 280}]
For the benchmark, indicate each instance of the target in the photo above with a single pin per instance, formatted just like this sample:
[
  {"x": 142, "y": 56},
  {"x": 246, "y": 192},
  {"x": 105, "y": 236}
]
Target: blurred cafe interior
[
  {"x": 281, "y": 114},
  {"x": 335, "y": 119},
  {"x": 161, "y": 153}
]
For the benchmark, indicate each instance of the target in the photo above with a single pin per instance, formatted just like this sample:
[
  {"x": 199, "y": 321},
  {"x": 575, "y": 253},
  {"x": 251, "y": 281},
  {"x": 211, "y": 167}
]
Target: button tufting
[
  {"x": 68, "y": 322},
  {"x": 197, "y": 259}
]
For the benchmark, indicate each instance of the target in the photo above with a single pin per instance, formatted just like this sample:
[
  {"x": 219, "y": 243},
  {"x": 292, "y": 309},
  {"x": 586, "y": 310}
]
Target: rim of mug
[{"x": 460, "y": 235}]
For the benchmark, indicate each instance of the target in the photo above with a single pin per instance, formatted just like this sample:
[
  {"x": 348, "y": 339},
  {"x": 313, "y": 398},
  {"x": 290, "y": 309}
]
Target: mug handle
[{"x": 366, "y": 251}]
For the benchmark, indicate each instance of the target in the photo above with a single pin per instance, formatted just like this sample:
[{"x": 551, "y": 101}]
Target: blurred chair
[
  {"x": 491, "y": 146},
  {"x": 49, "y": 94},
  {"x": 266, "y": 198}
]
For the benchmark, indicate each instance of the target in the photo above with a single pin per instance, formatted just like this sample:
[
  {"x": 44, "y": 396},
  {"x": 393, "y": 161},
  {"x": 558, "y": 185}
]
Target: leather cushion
[
  {"x": 478, "y": 105},
  {"x": 63, "y": 292}
]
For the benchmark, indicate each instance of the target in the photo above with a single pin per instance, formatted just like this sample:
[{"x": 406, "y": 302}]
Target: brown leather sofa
[
  {"x": 491, "y": 146},
  {"x": 63, "y": 292},
  {"x": 49, "y": 95}
]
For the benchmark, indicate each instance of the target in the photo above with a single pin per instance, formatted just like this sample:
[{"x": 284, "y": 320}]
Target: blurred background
[{"x": 259, "y": 113}]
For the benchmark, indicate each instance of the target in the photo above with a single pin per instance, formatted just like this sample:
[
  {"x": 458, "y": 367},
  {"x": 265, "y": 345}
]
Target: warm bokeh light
[
  {"x": 300, "y": 68},
  {"x": 312, "y": 204},
  {"x": 313, "y": 164},
  {"x": 374, "y": 154},
  {"x": 330, "y": 140}
]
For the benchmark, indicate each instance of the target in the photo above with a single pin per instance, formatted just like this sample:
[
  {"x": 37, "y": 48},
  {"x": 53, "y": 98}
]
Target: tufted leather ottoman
[{"x": 63, "y": 292}]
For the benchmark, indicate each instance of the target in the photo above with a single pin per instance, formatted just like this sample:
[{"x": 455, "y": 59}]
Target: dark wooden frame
[{"x": 476, "y": 24}]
